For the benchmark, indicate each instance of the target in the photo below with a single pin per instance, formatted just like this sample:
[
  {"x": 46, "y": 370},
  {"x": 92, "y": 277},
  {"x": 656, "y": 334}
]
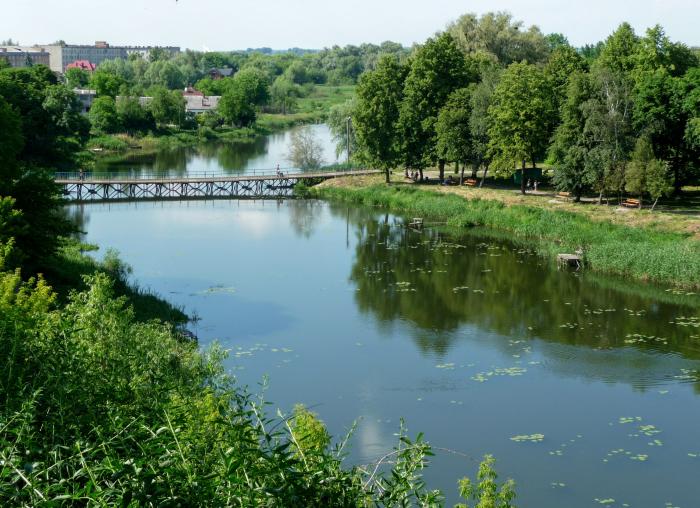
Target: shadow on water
[
  {"x": 230, "y": 157},
  {"x": 442, "y": 283}
]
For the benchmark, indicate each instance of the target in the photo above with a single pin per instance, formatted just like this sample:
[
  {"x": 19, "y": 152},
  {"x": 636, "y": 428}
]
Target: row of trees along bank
[{"x": 622, "y": 115}]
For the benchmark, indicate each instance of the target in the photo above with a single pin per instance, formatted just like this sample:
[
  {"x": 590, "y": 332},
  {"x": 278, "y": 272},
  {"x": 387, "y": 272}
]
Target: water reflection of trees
[
  {"x": 78, "y": 217},
  {"x": 230, "y": 157},
  {"x": 440, "y": 284},
  {"x": 235, "y": 156},
  {"x": 304, "y": 216}
]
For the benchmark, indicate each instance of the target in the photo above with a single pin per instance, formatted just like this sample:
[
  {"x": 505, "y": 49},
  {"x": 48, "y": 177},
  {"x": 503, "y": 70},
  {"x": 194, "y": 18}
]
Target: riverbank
[
  {"x": 651, "y": 249},
  {"x": 69, "y": 268}
]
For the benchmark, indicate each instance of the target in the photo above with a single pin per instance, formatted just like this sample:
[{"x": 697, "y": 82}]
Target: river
[{"x": 585, "y": 388}]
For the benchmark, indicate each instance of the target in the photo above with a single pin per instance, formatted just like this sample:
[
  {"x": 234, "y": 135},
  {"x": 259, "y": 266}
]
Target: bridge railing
[{"x": 169, "y": 175}]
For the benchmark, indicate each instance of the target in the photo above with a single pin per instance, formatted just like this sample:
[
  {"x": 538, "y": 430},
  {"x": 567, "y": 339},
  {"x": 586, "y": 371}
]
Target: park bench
[
  {"x": 471, "y": 182},
  {"x": 631, "y": 203}
]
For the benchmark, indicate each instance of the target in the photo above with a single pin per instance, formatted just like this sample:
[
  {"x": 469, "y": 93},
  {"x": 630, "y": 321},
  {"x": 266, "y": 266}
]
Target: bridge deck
[{"x": 115, "y": 187}]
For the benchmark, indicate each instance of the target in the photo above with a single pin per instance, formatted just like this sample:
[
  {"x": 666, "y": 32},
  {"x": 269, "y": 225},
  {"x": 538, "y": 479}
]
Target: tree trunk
[
  {"x": 600, "y": 198},
  {"x": 640, "y": 201},
  {"x": 474, "y": 170},
  {"x": 461, "y": 176},
  {"x": 654, "y": 205},
  {"x": 421, "y": 174},
  {"x": 456, "y": 168},
  {"x": 486, "y": 170},
  {"x": 386, "y": 174},
  {"x": 441, "y": 167},
  {"x": 405, "y": 172},
  {"x": 522, "y": 179}
]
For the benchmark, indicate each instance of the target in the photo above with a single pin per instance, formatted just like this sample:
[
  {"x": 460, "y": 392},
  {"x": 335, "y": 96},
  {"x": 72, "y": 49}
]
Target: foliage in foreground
[
  {"x": 633, "y": 252},
  {"x": 100, "y": 409}
]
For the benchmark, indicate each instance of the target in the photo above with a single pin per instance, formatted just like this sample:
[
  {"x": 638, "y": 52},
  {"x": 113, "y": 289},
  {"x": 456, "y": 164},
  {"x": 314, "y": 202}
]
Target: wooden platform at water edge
[{"x": 88, "y": 187}]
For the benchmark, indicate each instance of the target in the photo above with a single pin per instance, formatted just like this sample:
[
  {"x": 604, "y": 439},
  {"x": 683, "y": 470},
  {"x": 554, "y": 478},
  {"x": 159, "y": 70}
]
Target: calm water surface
[
  {"x": 471, "y": 339},
  {"x": 264, "y": 153}
]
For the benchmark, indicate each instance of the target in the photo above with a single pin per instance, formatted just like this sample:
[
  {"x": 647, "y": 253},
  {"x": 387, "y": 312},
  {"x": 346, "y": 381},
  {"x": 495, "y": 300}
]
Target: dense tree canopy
[
  {"x": 50, "y": 113},
  {"x": 535, "y": 97}
]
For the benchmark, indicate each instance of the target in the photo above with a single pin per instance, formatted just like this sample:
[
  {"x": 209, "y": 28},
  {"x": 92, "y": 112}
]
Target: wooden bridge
[{"x": 86, "y": 187}]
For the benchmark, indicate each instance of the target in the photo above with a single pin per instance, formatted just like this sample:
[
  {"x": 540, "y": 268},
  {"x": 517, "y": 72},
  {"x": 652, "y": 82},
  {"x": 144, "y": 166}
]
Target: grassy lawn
[
  {"x": 323, "y": 97},
  {"x": 312, "y": 108},
  {"x": 679, "y": 215}
]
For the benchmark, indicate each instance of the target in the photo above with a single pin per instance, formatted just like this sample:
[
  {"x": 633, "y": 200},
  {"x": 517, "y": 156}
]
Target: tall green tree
[
  {"x": 167, "y": 106},
  {"x": 619, "y": 53},
  {"x": 454, "y": 137},
  {"x": 106, "y": 83},
  {"x": 29, "y": 199},
  {"x": 77, "y": 78},
  {"x": 570, "y": 146},
  {"x": 11, "y": 143},
  {"x": 52, "y": 126},
  {"x": 564, "y": 61},
  {"x": 659, "y": 96},
  {"x": 379, "y": 95},
  {"x": 103, "y": 115},
  {"x": 690, "y": 90},
  {"x": 480, "y": 121},
  {"x": 133, "y": 117},
  {"x": 500, "y": 38},
  {"x": 609, "y": 124},
  {"x": 646, "y": 174},
  {"x": 236, "y": 106},
  {"x": 522, "y": 112},
  {"x": 254, "y": 85},
  {"x": 164, "y": 73},
  {"x": 283, "y": 95},
  {"x": 437, "y": 69},
  {"x": 340, "y": 124},
  {"x": 656, "y": 51}
]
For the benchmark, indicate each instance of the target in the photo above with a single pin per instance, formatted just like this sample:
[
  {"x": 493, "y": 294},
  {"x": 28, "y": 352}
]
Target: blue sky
[{"x": 237, "y": 24}]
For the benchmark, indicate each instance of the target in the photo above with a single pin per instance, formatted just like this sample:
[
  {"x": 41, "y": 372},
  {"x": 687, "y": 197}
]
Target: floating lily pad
[{"x": 530, "y": 438}]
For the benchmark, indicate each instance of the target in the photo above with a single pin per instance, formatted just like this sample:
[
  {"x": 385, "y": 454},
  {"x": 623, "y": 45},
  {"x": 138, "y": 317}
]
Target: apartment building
[{"x": 61, "y": 55}]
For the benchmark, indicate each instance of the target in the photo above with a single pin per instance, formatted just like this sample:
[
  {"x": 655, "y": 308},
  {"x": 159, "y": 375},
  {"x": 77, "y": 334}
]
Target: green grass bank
[{"x": 634, "y": 252}]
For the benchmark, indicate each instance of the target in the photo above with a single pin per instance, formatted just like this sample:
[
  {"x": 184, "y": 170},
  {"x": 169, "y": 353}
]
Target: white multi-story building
[{"x": 60, "y": 55}]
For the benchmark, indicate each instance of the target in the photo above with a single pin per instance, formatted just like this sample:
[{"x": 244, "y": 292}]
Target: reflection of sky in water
[
  {"x": 278, "y": 148},
  {"x": 264, "y": 153},
  {"x": 309, "y": 294}
]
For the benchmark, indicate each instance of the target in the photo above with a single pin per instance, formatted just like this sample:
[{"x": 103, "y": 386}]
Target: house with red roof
[{"x": 86, "y": 65}]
